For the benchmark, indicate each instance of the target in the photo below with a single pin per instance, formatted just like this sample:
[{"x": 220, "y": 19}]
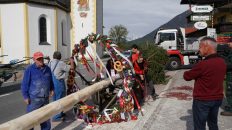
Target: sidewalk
[
  {"x": 175, "y": 111},
  {"x": 172, "y": 111}
]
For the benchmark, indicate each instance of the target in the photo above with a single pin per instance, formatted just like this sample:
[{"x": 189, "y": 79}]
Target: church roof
[{"x": 62, "y": 4}]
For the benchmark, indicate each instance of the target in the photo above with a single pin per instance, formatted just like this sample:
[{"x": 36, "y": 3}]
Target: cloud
[{"x": 140, "y": 16}]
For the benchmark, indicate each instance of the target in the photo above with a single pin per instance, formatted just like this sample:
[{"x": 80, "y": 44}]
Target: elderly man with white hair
[{"x": 209, "y": 75}]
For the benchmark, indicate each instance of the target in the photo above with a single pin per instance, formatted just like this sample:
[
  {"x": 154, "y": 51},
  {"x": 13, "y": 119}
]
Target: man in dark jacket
[
  {"x": 228, "y": 88},
  {"x": 37, "y": 86},
  {"x": 209, "y": 75}
]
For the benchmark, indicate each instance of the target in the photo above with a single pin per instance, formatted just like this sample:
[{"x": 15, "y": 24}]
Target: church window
[
  {"x": 63, "y": 33},
  {"x": 43, "y": 31}
]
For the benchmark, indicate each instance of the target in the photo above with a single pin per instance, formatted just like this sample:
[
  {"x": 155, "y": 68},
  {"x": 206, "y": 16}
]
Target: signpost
[
  {"x": 200, "y": 25},
  {"x": 200, "y": 17},
  {"x": 202, "y": 9}
]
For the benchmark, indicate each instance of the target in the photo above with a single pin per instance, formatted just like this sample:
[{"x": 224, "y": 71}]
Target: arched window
[{"x": 43, "y": 31}]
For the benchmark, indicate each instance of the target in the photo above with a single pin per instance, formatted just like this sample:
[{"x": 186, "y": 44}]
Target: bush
[{"x": 157, "y": 59}]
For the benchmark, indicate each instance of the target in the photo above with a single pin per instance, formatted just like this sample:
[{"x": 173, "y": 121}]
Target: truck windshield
[{"x": 167, "y": 36}]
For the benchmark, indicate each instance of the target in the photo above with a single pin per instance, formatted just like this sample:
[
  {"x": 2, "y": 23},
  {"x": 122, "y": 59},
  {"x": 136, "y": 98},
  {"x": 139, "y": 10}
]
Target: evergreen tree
[{"x": 157, "y": 59}]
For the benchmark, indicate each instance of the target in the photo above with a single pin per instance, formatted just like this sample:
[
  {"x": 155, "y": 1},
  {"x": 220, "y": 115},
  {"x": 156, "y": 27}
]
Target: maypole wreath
[{"x": 121, "y": 106}]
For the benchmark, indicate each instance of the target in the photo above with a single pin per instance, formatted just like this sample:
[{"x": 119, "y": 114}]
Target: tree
[
  {"x": 118, "y": 33},
  {"x": 157, "y": 59}
]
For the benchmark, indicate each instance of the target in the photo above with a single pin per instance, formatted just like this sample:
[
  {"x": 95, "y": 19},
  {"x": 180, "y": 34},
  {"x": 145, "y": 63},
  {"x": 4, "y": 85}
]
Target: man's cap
[{"x": 37, "y": 55}]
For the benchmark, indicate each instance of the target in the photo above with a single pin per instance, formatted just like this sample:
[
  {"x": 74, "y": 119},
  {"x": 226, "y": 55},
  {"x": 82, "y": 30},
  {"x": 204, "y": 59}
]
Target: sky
[{"x": 140, "y": 17}]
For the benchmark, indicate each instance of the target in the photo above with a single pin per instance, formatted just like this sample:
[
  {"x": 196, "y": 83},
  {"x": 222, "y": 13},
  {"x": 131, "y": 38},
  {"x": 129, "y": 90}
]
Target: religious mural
[{"x": 83, "y": 5}]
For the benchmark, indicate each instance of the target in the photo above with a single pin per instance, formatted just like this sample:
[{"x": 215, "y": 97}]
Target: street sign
[
  {"x": 200, "y": 17},
  {"x": 200, "y": 25},
  {"x": 202, "y": 9}
]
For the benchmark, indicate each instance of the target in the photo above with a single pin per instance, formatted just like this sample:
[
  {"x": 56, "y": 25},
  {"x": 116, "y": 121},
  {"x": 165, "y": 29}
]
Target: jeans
[
  {"x": 59, "y": 89},
  {"x": 205, "y": 111},
  {"x": 36, "y": 103}
]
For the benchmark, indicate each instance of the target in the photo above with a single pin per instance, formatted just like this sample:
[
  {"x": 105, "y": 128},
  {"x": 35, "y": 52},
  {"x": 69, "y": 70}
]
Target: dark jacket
[{"x": 209, "y": 75}]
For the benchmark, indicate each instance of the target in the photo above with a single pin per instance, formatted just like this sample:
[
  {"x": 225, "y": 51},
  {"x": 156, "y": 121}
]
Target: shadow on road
[
  {"x": 189, "y": 120},
  {"x": 9, "y": 88}
]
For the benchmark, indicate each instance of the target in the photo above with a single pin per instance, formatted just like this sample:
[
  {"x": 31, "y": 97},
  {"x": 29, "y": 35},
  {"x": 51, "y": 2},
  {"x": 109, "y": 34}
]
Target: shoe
[
  {"x": 226, "y": 113},
  {"x": 63, "y": 114},
  {"x": 155, "y": 96},
  {"x": 135, "y": 112},
  {"x": 56, "y": 120}
]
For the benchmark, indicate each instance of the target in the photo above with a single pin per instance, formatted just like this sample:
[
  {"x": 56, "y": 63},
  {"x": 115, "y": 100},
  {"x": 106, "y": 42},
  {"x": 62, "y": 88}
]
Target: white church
[{"x": 27, "y": 26}]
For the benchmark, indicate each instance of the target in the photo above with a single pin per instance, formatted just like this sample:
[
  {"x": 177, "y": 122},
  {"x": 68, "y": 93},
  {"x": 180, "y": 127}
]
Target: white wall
[
  {"x": 34, "y": 13},
  {"x": 64, "y": 17},
  {"x": 92, "y": 23},
  {"x": 13, "y": 40},
  {"x": 13, "y": 28},
  {"x": 83, "y": 25}
]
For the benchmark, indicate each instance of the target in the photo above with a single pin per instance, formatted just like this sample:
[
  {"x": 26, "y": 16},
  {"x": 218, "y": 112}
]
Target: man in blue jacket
[{"x": 37, "y": 86}]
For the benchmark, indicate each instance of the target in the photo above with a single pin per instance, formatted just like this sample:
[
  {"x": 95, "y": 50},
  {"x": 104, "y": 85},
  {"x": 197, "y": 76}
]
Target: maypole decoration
[{"x": 121, "y": 105}]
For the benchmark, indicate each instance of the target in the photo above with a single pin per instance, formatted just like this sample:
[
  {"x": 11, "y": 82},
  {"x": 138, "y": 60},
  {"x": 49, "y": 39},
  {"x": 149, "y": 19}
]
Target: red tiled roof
[{"x": 190, "y": 30}]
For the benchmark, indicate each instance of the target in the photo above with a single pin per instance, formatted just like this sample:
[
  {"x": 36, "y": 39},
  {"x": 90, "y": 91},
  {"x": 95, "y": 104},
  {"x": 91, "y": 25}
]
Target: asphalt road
[{"x": 12, "y": 106}]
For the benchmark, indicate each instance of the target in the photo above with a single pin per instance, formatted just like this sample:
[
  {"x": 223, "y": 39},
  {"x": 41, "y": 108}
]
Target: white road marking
[{"x": 5, "y": 95}]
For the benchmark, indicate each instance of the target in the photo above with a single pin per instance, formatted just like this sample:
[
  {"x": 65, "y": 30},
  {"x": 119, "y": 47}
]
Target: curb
[{"x": 10, "y": 87}]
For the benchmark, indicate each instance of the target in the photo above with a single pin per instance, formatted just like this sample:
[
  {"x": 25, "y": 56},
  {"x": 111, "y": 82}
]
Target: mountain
[{"x": 177, "y": 22}]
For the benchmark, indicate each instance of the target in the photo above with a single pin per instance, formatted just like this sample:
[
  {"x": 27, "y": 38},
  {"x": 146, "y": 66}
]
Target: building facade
[
  {"x": 87, "y": 18},
  {"x": 221, "y": 19},
  {"x": 27, "y": 26}
]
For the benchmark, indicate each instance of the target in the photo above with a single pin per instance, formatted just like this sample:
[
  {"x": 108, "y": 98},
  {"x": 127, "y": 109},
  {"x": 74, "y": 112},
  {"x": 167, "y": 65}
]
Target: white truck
[{"x": 174, "y": 42}]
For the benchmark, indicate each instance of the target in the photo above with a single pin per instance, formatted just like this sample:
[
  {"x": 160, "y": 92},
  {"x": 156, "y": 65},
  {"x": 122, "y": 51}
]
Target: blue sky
[{"x": 140, "y": 16}]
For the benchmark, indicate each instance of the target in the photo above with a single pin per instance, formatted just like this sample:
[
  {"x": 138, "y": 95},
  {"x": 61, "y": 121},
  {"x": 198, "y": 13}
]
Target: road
[{"x": 12, "y": 106}]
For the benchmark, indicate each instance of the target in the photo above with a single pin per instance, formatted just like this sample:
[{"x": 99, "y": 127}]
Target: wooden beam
[{"x": 34, "y": 118}]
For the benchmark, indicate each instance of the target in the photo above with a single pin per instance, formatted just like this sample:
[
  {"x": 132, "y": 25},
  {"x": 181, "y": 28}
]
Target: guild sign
[
  {"x": 200, "y": 17},
  {"x": 202, "y": 9},
  {"x": 200, "y": 25}
]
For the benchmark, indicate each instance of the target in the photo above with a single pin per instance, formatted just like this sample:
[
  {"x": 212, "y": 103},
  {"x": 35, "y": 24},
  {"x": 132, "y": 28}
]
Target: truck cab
[
  {"x": 167, "y": 39},
  {"x": 173, "y": 41}
]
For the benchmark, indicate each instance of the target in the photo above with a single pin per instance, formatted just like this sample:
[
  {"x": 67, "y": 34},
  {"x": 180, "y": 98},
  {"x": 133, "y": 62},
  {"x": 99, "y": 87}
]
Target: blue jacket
[{"x": 37, "y": 82}]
